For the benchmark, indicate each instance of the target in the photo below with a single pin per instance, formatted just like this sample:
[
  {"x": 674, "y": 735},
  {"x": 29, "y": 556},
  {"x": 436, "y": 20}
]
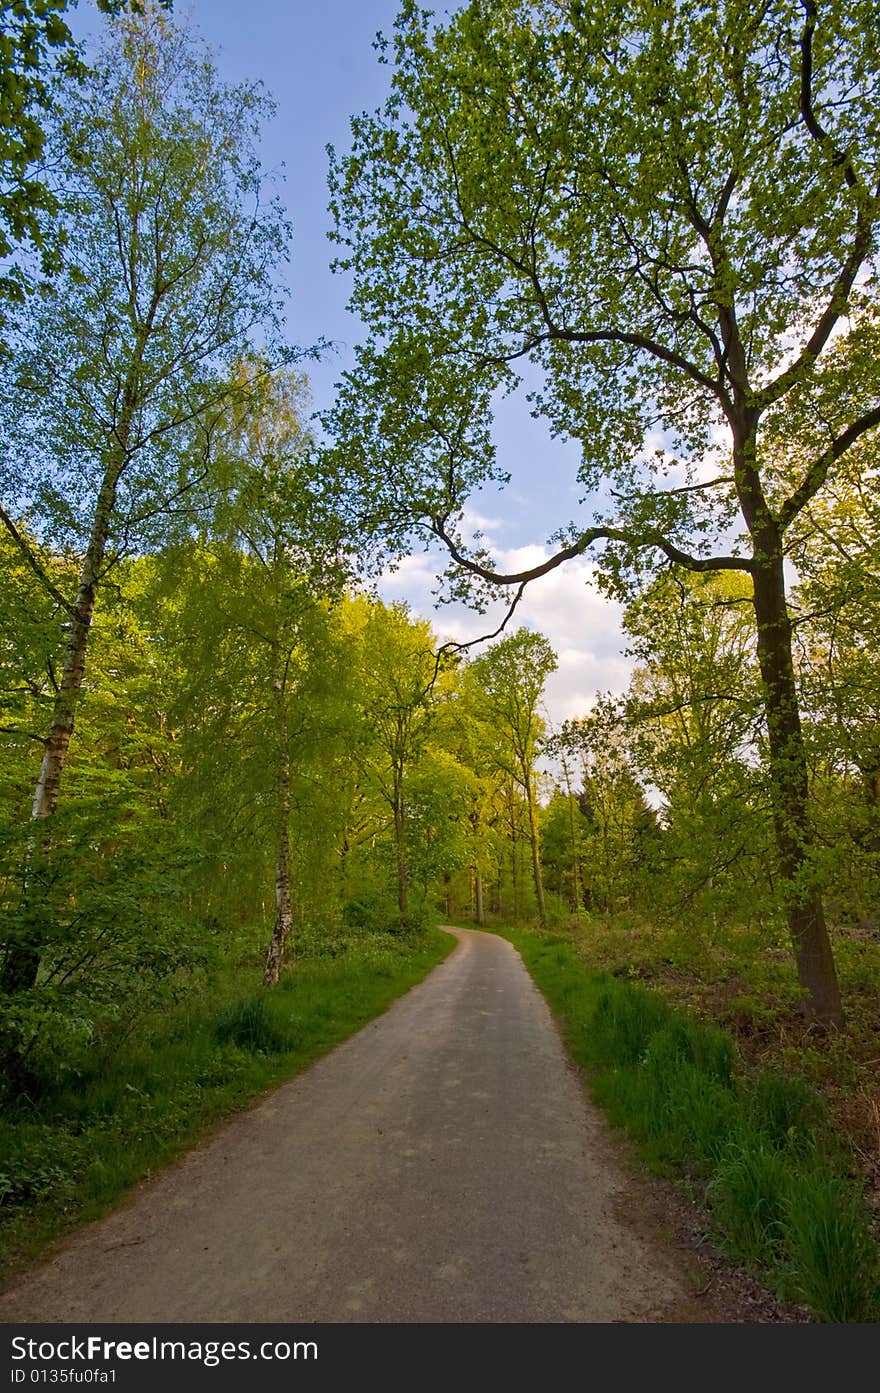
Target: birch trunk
[
  {"x": 283, "y": 914},
  {"x": 400, "y": 849},
  {"x": 478, "y": 897},
  {"x": 22, "y": 962},
  {"x": 576, "y": 893}
]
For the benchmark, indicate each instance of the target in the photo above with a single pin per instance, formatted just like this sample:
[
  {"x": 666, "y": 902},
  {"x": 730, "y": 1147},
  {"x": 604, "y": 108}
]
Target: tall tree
[
  {"x": 692, "y": 718},
  {"x": 511, "y": 677},
  {"x": 394, "y": 693},
  {"x": 666, "y": 215},
  {"x": 120, "y": 376},
  {"x": 284, "y": 572}
]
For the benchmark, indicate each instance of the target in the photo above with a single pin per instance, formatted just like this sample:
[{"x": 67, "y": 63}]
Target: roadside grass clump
[
  {"x": 774, "y": 1172},
  {"x": 747, "y": 1197},
  {"x": 787, "y": 1110},
  {"x": 251, "y": 1025},
  {"x": 831, "y": 1258},
  {"x": 624, "y": 1022}
]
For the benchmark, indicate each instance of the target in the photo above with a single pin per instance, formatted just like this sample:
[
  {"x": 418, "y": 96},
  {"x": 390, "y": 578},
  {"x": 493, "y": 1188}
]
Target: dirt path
[{"x": 441, "y": 1165}]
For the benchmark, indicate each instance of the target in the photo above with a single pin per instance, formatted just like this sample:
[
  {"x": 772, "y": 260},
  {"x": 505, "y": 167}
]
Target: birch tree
[
  {"x": 285, "y": 571},
  {"x": 394, "y": 691},
  {"x": 120, "y": 373},
  {"x": 37, "y": 54}
]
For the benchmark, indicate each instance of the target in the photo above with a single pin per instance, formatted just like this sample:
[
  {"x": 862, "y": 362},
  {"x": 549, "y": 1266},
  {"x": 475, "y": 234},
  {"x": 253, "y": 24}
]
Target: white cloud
[{"x": 583, "y": 627}]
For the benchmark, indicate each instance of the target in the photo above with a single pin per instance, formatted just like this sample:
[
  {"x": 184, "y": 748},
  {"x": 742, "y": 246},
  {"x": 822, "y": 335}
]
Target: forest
[{"x": 238, "y": 790}]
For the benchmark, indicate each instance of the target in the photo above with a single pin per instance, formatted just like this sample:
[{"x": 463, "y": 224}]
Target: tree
[
  {"x": 281, "y": 573},
  {"x": 510, "y": 678},
  {"x": 613, "y": 805},
  {"x": 37, "y": 49},
  {"x": 838, "y": 596},
  {"x": 664, "y": 218},
  {"x": 395, "y": 683},
  {"x": 692, "y": 718},
  {"x": 119, "y": 377},
  {"x": 464, "y": 733}
]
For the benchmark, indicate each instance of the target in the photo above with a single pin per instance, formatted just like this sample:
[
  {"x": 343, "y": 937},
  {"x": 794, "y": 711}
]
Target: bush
[{"x": 31, "y": 1166}]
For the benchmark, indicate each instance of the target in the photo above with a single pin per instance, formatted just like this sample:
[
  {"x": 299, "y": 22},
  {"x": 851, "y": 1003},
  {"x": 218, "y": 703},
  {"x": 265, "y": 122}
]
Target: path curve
[{"x": 443, "y": 1164}]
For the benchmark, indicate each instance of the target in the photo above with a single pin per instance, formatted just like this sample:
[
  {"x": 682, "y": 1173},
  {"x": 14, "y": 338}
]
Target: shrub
[{"x": 31, "y": 1166}]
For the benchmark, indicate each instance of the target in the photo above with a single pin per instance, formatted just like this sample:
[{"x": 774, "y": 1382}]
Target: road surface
[{"x": 444, "y": 1164}]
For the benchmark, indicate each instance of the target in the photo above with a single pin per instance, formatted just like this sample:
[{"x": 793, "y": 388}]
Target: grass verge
[
  {"x": 72, "y": 1150},
  {"x": 776, "y": 1176}
]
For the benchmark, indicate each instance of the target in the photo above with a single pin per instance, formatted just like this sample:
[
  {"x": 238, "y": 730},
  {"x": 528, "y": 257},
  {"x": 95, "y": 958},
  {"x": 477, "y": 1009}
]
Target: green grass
[
  {"x": 774, "y": 1172},
  {"x": 72, "y": 1150}
]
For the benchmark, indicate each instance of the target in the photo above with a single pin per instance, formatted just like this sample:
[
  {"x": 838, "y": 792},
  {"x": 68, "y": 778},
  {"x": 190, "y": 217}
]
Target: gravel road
[{"x": 444, "y": 1164}]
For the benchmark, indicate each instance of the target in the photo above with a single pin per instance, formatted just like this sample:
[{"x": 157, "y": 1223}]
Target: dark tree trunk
[{"x": 788, "y": 775}]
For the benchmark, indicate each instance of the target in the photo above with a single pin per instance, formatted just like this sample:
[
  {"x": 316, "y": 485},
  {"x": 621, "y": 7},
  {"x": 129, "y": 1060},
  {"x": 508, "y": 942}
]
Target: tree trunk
[
  {"x": 478, "y": 897},
  {"x": 789, "y": 782},
  {"x": 536, "y": 857},
  {"x": 514, "y": 854},
  {"x": 283, "y": 914},
  {"x": 575, "y": 855},
  {"x": 22, "y": 962},
  {"x": 400, "y": 848},
  {"x": 575, "y": 859},
  {"x": 498, "y": 898}
]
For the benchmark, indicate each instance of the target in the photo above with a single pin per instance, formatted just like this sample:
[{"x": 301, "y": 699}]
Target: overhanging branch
[{"x": 635, "y": 541}]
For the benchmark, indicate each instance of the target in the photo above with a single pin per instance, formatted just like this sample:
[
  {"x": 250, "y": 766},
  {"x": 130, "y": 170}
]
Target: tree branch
[
  {"x": 33, "y": 561},
  {"x": 24, "y": 734},
  {"x": 453, "y": 646},
  {"x": 817, "y": 472},
  {"x": 593, "y": 534},
  {"x": 640, "y": 341},
  {"x": 865, "y": 217}
]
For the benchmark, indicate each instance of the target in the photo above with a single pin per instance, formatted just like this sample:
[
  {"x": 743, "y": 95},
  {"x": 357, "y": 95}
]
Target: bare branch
[
  {"x": 453, "y": 647},
  {"x": 636, "y": 541}
]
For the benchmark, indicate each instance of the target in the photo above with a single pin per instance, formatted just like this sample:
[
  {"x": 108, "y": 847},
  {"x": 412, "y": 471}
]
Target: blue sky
[{"x": 318, "y": 63}]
